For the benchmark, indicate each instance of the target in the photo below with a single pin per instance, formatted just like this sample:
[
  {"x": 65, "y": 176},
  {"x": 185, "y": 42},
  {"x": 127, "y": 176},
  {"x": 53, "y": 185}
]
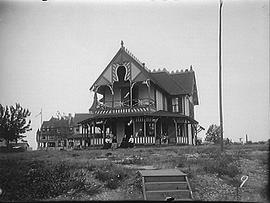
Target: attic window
[{"x": 121, "y": 72}]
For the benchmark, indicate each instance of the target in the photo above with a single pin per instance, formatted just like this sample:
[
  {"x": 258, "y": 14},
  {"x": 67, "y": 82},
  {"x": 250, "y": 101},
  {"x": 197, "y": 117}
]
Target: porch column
[
  {"x": 130, "y": 93},
  {"x": 112, "y": 97},
  {"x": 91, "y": 133},
  {"x": 87, "y": 134},
  {"x": 148, "y": 86},
  {"x": 94, "y": 126},
  {"x": 104, "y": 131},
  {"x": 155, "y": 132},
  {"x": 175, "y": 123},
  {"x": 134, "y": 130},
  {"x": 186, "y": 133},
  {"x": 144, "y": 129},
  {"x": 81, "y": 137}
]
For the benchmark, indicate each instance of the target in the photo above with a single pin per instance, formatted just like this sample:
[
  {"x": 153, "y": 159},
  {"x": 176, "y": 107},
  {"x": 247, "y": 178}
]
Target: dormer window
[{"x": 175, "y": 104}]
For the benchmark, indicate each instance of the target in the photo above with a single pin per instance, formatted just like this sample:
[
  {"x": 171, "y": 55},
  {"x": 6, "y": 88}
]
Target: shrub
[
  {"x": 112, "y": 175},
  {"x": 28, "y": 181},
  {"x": 222, "y": 164}
]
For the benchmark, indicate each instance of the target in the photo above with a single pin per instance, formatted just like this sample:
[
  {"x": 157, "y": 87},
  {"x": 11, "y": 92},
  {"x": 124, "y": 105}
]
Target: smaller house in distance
[{"x": 58, "y": 133}]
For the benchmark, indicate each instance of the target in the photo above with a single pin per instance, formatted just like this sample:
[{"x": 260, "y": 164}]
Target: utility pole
[{"x": 220, "y": 84}]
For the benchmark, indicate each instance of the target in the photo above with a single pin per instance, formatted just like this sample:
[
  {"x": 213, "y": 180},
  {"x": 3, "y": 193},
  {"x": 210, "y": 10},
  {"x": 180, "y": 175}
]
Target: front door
[{"x": 128, "y": 129}]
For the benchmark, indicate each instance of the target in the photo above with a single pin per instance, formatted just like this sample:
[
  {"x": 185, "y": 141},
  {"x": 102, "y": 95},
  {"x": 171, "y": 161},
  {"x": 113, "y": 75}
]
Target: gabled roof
[
  {"x": 179, "y": 83},
  {"x": 166, "y": 82},
  {"x": 125, "y": 53},
  {"x": 81, "y": 117},
  {"x": 188, "y": 81},
  {"x": 55, "y": 123}
]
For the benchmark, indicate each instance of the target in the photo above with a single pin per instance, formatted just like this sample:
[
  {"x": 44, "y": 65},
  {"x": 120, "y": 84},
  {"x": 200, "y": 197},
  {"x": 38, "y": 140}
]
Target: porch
[{"x": 147, "y": 128}]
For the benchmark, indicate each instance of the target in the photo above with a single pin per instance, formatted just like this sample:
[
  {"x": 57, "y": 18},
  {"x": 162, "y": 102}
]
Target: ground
[{"x": 113, "y": 175}]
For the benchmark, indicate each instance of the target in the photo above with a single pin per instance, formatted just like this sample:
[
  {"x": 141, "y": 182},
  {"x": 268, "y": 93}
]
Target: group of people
[{"x": 111, "y": 142}]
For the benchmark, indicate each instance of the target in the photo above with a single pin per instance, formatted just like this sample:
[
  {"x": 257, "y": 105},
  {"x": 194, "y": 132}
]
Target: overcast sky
[{"x": 52, "y": 52}]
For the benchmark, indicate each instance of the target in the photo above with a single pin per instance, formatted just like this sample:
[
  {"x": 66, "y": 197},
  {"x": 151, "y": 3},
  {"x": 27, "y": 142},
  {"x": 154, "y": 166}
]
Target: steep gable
[
  {"x": 188, "y": 81},
  {"x": 135, "y": 70}
]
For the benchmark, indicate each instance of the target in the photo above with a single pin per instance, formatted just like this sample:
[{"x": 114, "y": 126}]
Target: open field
[{"x": 113, "y": 175}]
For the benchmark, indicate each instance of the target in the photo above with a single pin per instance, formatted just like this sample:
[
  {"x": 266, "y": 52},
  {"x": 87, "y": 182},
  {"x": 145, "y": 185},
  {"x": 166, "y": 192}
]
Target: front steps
[{"x": 165, "y": 183}]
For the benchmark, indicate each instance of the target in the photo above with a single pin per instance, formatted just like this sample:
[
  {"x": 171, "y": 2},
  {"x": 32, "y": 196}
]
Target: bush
[
  {"x": 112, "y": 175},
  {"x": 222, "y": 164},
  {"x": 28, "y": 181}
]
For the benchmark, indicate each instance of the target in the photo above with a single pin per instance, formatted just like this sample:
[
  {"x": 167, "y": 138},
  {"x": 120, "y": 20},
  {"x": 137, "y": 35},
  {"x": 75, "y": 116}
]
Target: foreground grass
[{"x": 102, "y": 175}]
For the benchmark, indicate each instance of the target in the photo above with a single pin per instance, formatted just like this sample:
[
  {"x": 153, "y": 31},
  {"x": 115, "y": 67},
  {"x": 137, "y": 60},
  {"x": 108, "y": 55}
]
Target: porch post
[
  {"x": 175, "y": 123},
  {"x": 130, "y": 93},
  {"x": 134, "y": 130},
  {"x": 104, "y": 131},
  {"x": 187, "y": 133},
  {"x": 91, "y": 133},
  {"x": 148, "y": 86},
  {"x": 144, "y": 129},
  {"x": 87, "y": 132},
  {"x": 94, "y": 126},
  {"x": 155, "y": 126},
  {"x": 81, "y": 137},
  {"x": 112, "y": 97}
]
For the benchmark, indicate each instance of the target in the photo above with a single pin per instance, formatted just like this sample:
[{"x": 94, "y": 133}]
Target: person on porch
[
  {"x": 107, "y": 143},
  {"x": 131, "y": 141},
  {"x": 114, "y": 142}
]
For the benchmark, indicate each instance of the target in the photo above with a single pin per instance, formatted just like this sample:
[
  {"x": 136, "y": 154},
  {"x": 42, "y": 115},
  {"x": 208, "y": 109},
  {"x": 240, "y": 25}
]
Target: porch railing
[
  {"x": 182, "y": 140},
  {"x": 145, "y": 140},
  {"x": 96, "y": 141},
  {"x": 117, "y": 104}
]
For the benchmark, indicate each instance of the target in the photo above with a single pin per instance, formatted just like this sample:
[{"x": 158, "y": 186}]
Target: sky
[{"x": 52, "y": 51}]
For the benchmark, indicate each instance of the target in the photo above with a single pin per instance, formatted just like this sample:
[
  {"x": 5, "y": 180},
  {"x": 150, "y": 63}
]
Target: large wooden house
[{"x": 156, "y": 107}]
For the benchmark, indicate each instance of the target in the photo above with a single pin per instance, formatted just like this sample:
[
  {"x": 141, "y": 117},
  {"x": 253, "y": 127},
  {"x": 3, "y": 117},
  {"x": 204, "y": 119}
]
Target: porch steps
[{"x": 165, "y": 183}]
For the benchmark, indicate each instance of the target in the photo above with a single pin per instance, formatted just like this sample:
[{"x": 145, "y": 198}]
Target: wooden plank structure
[{"x": 165, "y": 183}]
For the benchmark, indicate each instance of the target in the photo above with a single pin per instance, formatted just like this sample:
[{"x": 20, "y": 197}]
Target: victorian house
[{"x": 156, "y": 107}]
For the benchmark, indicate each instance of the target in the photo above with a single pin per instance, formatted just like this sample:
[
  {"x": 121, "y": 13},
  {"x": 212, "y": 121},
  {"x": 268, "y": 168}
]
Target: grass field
[{"x": 113, "y": 175}]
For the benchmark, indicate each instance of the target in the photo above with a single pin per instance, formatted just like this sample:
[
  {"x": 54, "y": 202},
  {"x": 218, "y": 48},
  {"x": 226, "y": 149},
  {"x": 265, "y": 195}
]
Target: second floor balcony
[{"x": 126, "y": 106}]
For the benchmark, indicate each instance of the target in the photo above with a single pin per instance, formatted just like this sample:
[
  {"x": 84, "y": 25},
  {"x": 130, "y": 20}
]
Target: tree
[
  {"x": 13, "y": 122},
  {"x": 213, "y": 134}
]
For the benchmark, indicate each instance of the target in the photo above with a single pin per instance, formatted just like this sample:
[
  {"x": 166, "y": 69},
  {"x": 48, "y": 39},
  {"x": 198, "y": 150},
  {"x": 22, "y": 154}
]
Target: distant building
[
  {"x": 61, "y": 133},
  {"x": 157, "y": 107},
  {"x": 54, "y": 133}
]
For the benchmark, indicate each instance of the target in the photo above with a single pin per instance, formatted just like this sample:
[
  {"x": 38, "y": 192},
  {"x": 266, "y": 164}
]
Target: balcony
[{"x": 118, "y": 106}]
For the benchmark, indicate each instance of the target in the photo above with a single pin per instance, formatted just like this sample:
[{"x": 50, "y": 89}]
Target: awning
[{"x": 156, "y": 114}]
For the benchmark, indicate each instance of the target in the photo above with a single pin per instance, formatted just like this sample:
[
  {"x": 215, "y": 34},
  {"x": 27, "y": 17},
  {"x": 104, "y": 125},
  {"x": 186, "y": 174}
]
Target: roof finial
[
  {"x": 190, "y": 67},
  {"x": 122, "y": 43}
]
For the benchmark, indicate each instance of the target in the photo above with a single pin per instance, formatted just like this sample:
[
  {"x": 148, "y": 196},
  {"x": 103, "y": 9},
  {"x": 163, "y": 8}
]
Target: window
[{"x": 175, "y": 105}]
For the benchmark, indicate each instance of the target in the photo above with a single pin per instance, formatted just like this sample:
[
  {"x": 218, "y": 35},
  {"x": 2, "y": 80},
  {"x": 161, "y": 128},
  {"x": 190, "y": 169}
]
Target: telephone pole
[{"x": 220, "y": 82}]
